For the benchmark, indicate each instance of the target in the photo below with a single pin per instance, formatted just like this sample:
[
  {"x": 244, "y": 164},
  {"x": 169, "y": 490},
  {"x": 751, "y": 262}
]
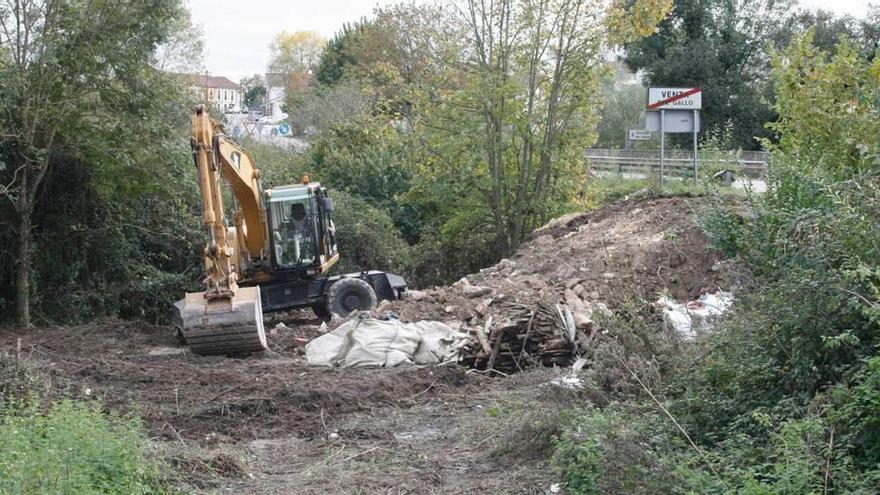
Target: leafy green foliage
[
  {"x": 613, "y": 451},
  {"x": 717, "y": 46},
  {"x": 796, "y": 368},
  {"x": 367, "y": 237},
  {"x": 782, "y": 396},
  {"x": 338, "y": 55},
  {"x": 73, "y": 448},
  {"x": 111, "y": 192}
]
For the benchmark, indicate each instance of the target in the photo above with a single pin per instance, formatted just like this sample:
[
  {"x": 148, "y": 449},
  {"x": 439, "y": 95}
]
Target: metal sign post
[
  {"x": 662, "y": 142},
  {"x": 696, "y": 116}
]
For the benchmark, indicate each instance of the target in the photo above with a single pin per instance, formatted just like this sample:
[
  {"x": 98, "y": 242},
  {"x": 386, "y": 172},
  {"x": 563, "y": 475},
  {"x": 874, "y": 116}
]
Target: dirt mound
[{"x": 589, "y": 261}]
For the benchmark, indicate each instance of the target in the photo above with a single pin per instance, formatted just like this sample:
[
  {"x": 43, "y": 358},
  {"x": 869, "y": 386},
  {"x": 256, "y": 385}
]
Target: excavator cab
[{"x": 303, "y": 237}]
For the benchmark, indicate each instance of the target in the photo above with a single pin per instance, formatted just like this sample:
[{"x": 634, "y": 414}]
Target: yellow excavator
[{"x": 274, "y": 254}]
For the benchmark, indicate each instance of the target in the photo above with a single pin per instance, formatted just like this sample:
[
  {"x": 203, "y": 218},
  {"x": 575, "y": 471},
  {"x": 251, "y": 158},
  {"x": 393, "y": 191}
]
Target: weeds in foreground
[{"x": 67, "y": 446}]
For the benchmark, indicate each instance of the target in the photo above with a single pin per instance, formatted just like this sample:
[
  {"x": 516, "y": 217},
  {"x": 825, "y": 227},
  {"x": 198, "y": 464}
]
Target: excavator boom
[{"x": 225, "y": 318}]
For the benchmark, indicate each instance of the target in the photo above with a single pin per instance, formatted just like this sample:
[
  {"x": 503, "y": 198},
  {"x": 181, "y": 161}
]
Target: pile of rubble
[{"x": 549, "y": 299}]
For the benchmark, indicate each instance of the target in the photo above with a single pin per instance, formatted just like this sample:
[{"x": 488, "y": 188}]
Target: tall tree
[
  {"x": 535, "y": 67},
  {"x": 66, "y": 68},
  {"x": 294, "y": 57},
  {"x": 254, "y": 91},
  {"x": 337, "y": 54},
  {"x": 295, "y": 52},
  {"x": 623, "y": 107},
  {"x": 719, "y": 45}
]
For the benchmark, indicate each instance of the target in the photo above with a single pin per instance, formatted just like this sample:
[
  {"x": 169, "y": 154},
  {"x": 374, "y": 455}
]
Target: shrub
[
  {"x": 72, "y": 448},
  {"x": 367, "y": 237},
  {"x": 611, "y": 451}
]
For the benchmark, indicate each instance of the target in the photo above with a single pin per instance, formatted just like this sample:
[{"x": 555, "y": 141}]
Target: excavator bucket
[{"x": 222, "y": 326}]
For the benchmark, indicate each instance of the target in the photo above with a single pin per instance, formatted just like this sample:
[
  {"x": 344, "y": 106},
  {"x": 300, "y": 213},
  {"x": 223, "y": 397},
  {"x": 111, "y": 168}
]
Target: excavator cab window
[{"x": 293, "y": 233}]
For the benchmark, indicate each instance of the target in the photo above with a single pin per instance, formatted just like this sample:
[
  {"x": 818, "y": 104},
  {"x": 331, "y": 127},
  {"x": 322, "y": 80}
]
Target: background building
[{"x": 218, "y": 92}]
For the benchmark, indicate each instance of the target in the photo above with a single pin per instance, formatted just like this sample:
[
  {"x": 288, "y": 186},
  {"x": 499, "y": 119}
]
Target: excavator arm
[{"x": 226, "y": 318}]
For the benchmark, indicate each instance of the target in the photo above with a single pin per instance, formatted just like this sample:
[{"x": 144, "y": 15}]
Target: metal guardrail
[{"x": 677, "y": 162}]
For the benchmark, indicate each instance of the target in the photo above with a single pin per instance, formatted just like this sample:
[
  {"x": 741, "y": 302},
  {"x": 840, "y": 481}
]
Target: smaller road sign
[
  {"x": 639, "y": 135},
  {"x": 675, "y": 98}
]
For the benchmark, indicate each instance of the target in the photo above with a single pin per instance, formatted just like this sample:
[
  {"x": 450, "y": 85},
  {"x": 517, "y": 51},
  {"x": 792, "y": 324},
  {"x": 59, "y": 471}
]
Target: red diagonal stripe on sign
[{"x": 677, "y": 97}]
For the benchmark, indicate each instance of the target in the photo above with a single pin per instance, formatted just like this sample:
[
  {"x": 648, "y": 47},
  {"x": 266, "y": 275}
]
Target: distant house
[
  {"x": 276, "y": 89},
  {"x": 218, "y": 92},
  {"x": 278, "y": 84}
]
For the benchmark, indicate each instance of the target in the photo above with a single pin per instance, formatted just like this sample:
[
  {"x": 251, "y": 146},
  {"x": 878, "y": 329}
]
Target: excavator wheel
[
  {"x": 350, "y": 294},
  {"x": 222, "y": 327}
]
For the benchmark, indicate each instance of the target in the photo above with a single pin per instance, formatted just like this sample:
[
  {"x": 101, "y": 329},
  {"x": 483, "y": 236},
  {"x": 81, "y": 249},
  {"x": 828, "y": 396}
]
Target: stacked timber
[{"x": 526, "y": 335}]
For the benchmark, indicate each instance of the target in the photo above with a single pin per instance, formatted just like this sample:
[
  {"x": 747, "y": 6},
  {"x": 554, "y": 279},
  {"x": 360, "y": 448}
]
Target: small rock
[
  {"x": 579, "y": 290},
  {"x": 473, "y": 291},
  {"x": 572, "y": 282},
  {"x": 166, "y": 351},
  {"x": 609, "y": 275},
  {"x": 383, "y": 305},
  {"x": 481, "y": 309},
  {"x": 281, "y": 327},
  {"x": 449, "y": 309},
  {"x": 582, "y": 321},
  {"x": 505, "y": 263},
  {"x": 462, "y": 282},
  {"x": 594, "y": 295},
  {"x": 415, "y": 295},
  {"x": 574, "y": 303},
  {"x": 333, "y": 436}
]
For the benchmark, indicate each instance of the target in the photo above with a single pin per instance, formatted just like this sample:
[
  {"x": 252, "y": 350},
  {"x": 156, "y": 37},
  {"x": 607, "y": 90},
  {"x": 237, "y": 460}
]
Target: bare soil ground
[{"x": 272, "y": 424}]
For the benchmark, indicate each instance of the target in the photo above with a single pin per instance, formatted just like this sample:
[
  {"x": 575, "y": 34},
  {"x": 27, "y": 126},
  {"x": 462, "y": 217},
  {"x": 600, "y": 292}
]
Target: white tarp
[
  {"x": 695, "y": 316},
  {"x": 365, "y": 341}
]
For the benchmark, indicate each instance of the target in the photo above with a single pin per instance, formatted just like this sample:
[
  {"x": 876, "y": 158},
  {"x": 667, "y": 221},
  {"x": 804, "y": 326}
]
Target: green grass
[
  {"x": 609, "y": 189},
  {"x": 72, "y": 448}
]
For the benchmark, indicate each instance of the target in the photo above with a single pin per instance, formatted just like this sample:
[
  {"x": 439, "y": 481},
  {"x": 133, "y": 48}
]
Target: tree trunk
[{"x": 23, "y": 269}]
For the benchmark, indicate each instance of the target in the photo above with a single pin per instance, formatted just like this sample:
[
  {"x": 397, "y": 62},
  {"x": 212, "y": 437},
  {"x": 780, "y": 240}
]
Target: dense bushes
[{"x": 367, "y": 238}]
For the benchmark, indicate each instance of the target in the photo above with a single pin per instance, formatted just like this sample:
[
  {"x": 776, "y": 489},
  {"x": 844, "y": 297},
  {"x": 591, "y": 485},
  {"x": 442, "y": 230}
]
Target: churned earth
[{"x": 273, "y": 424}]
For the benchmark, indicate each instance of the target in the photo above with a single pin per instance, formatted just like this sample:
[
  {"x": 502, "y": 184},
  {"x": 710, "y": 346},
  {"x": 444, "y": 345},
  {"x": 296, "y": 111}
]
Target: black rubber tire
[
  {"x": 322, "y": 311},
  {"x": 350, "y": 294}
]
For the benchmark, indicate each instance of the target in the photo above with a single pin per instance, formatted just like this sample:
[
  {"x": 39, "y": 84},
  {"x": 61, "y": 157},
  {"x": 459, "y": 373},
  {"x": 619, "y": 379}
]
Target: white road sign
[
  {"x": 674, "y": 121},
  {"x": 639, "y": 135},
  {"x": 675, "y": 98}
]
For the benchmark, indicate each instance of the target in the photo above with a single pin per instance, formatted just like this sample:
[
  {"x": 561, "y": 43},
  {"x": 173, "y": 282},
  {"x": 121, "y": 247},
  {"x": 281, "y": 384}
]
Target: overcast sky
[{"x": 237, "y": 32}]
